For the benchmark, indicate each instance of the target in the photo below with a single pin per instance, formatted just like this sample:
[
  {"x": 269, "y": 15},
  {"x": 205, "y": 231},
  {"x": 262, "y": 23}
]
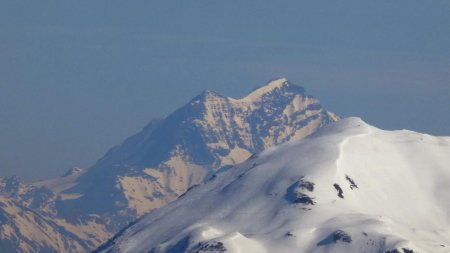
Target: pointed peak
[
  {"x": 278, "y": 82},
  {"x": 205, "y": 96},
  {"x": 207, "y": 92},
  {"x": 272, "y": 84},
  {"x": 269, "y": 87}
]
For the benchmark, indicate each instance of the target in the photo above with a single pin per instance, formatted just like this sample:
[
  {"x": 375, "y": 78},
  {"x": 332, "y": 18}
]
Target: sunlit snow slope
[{"x": 348, "y": 188}]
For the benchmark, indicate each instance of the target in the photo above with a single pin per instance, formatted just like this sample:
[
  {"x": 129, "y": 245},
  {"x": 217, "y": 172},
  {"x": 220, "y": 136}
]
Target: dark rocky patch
[
  {"x": 336, "y": 236},
  {"x": 304, "y": 199},
  {"x": 352, "y": 182},
  {"x": 393, "y": 251},
  {"x": 210, "y": 247},
  {"x": 212, "y": 177},
  {"x": 339, "y": 190},
  {"x": 295, "y": 193},
  {"x": 402, "y": 250},
  {"x": 340, "y": 235},
  {"x": 4, "y": 217},
  {"x": 306, "y": 185}
]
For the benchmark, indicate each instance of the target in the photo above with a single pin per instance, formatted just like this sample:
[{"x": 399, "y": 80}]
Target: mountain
[
  {"x": 211, "y": 133},
  {"x": 350, "y": 187},
  {"x": 25, "y": 230},
  {"x": 29, "y": 221}
]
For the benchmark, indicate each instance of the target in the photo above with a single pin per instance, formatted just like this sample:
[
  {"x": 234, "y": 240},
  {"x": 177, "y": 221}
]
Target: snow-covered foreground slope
[{"x": 348, "y": 188}]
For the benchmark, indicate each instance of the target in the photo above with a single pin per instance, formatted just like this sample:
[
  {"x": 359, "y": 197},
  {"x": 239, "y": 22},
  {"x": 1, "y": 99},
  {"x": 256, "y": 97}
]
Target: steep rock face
[
  {"x": 169, "y": 156},
  {"x": 211, "y": 132},
  {"x": 392, "y": 197}
]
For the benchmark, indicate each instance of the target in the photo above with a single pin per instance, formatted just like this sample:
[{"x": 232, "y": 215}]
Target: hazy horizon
[{"x": 77, "y": 78}]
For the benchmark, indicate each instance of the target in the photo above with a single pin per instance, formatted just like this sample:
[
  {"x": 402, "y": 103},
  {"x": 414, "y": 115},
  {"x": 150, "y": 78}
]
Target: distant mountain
[
  {"x": 29, "y": 220},
  {"x": 26, "y": 230},
  {"x": 350, "y": 187},
  {"x": 154, "y": 167}
]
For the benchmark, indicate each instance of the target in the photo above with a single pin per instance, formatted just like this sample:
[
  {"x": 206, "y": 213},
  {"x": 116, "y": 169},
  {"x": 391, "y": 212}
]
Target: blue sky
[{"x": 77, "y": 77}]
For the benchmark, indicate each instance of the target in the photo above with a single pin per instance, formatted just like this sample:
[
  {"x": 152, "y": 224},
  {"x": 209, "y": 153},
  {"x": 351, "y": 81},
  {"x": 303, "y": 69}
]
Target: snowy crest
[{"x": 348, "y": 188}]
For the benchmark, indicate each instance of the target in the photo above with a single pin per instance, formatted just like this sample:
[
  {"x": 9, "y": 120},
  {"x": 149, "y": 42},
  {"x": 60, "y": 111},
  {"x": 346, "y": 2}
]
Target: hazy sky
[{"x": 77, "y": 77}]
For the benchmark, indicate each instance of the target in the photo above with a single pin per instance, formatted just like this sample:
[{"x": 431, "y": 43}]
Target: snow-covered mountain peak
[
  {"x": 350, "y": 187},
  {"x": 208, "y": 94},
  {"x": 276, "y": 90},
  {"x": 350, "y": 125},
  {"x": 350, "y": 122},
  {"x": 204, "y": 99},
  {"x": 276, "y": 84}
]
